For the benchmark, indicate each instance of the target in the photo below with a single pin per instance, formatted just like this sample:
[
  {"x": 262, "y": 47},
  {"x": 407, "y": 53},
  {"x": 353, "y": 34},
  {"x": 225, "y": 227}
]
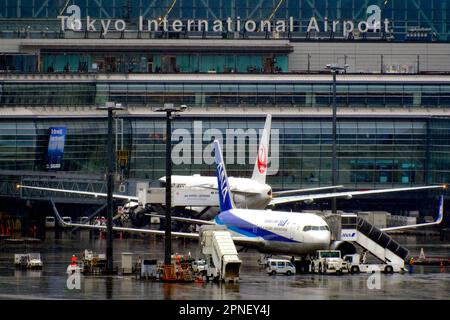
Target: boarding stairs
[{"x": 378, "y": 243}]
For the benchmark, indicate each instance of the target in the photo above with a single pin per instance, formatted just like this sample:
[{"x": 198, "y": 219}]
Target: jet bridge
[{"x": 378, "y": 243}]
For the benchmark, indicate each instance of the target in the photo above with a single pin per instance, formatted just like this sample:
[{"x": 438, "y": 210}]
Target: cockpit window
[{"x": 325, "y": 228}]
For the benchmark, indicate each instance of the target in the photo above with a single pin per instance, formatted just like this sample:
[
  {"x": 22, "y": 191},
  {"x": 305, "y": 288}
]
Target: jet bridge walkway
[{"x": 378, "y": 243}]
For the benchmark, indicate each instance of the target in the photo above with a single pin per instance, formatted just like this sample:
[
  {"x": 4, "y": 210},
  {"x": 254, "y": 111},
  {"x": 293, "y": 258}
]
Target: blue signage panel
[{"x": 56, "y": 147}]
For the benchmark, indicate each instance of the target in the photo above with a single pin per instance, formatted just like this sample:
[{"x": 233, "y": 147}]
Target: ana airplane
[{"x": 265, "y": 230}]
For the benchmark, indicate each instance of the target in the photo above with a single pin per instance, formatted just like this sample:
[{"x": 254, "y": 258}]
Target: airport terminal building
[{"x": 231, "y": 62}]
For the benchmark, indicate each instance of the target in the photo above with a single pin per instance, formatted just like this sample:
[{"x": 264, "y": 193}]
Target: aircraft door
[
  {"x": 295, "y": 232},
  {"x": 292, "y": 229}
]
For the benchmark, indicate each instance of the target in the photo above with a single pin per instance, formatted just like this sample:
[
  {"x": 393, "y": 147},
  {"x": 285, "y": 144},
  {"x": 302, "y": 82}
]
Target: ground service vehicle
[
  {"x": 28, "y": 261},
  {"x": 328, "y": 261},
  {"x": 199, "y": 265},
  {"x": 50, "y": 222},
  {"x": 279, "y": 266},
  {"x": 223, "y": 260},
  {"x": 355, "y": 265}
]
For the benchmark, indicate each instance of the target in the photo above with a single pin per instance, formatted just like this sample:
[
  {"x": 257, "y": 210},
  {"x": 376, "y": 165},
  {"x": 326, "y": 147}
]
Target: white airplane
[
  {"x": 265, "y": 230},
  {"x": 251, "y": 193}
]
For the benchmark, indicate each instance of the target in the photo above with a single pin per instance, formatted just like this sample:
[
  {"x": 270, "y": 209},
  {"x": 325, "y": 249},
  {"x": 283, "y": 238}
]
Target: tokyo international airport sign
[{"x": 73, "y": 21}]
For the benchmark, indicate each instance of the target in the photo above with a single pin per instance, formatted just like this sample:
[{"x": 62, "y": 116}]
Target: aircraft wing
[
  {"x": 290, "y": 192},
  {"x": 122, "y": 229},
  {"x": 256, "y": 242},
  {"x": 85, "y": 193},
  {"x": 348, "y": 195},
  {"x": 439, "y": 219}
]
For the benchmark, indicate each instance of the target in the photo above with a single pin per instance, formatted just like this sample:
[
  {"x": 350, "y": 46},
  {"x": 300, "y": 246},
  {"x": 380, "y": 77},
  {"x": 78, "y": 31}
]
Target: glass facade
[
  {"x": 227, "y": 94},
  {"x": 424, "y": 20},
  {"x": 18, "y": 63},
  {"x": 134, "y": 62},
  {"x": 381, "y": 152}
]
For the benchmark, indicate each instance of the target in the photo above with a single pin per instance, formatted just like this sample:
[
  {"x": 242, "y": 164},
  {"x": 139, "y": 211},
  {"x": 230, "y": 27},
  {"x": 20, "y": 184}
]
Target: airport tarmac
[{"x": 50, "y": 283}]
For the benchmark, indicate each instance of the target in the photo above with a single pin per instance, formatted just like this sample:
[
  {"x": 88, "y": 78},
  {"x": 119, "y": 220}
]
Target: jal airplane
[
  {"x": 267, "y": 231},
  {"x": 254, "y": 192}
]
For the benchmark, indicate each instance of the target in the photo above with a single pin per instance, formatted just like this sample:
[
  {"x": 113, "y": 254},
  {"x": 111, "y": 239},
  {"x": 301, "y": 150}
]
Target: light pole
[
  {"x": 169, "y": 109},
  {"x": 110, "y": 107},
  {"x": 334, "y": 69}
]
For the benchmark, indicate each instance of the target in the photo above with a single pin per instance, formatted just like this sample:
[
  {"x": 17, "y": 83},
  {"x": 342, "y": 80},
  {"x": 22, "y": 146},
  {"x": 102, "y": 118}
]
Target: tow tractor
[
  {"x": 357, "y": 263},
  {"x": 328, "y": 261}
]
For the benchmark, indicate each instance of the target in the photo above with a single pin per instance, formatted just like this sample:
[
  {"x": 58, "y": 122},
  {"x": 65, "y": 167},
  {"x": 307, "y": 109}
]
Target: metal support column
[
  {"x": 110, "y": 107},
  {"x": 334, "y": 160},
  {"x": 334, "y": 177},
  {"x": 170, "y": 110},
  {"x": 168, "y": 229},
  {"x": 110, "y": 188}
]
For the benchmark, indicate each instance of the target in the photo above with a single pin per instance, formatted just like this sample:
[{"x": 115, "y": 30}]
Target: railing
[{"x": 381, "y": 238}]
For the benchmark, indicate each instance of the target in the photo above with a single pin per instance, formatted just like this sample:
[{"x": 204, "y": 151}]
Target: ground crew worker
[
  {"x": 74, "y": 260},
  {"x": 411, "y": 267}
]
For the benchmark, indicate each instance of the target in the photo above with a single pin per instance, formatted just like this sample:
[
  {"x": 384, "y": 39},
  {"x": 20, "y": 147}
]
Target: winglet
[
  {"x": 225, "y": 199},
  {"x": 441, "y": 210},
  {"x": 262, "y": 159}
]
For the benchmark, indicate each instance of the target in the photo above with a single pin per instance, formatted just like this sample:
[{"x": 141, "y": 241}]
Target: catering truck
[{"x": 223, "y": 260}]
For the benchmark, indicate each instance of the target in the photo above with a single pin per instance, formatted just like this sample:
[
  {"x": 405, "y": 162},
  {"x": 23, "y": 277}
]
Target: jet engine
[{"x": 138, "y": 217}]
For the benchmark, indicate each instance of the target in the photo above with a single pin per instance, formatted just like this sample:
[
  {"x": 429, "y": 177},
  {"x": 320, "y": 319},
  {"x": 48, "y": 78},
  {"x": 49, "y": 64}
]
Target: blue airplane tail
[{"x": 225, "y": 199}]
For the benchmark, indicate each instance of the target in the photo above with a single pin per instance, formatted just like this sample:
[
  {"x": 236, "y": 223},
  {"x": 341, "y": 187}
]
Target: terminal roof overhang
[{"x": 159, "y": 45}]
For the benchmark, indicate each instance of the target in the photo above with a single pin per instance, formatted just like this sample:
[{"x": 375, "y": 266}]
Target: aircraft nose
[{"x": 322, "y": 237}]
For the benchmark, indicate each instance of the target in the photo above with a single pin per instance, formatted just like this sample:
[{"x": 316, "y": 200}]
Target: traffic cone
[{"x": 422, "y": 254}]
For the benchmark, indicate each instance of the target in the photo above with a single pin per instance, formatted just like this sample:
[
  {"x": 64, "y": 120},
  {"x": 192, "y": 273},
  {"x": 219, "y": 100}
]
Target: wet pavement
[{"x": 424, "y": 283}]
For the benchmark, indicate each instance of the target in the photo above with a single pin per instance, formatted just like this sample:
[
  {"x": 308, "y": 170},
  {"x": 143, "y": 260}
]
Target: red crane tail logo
[{"x": 262, "y": 160}]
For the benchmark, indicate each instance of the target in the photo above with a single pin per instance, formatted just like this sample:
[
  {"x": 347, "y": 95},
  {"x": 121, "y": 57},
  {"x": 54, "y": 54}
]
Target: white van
[
  {"x": 83, "y": 220},
  {"x": 276, "y": 266},
  {"x": 199, "y": 265},
  {"x": 50, "y": 222},
  {"x": 66, "y": 220}
]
